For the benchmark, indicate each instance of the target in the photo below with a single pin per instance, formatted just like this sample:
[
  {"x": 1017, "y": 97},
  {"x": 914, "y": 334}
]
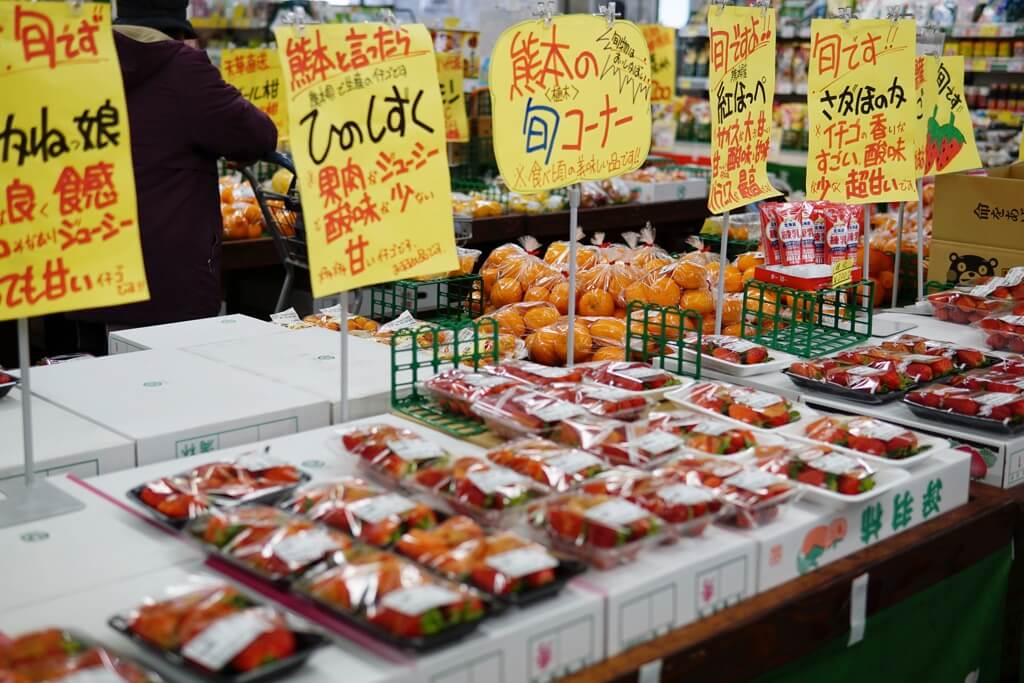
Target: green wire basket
[
  {"x": 660, "y": 335},
  {"x": 455, "y": 298},
  {"x": 807, "y": 323},
  {"x": 420, "y": 353}
]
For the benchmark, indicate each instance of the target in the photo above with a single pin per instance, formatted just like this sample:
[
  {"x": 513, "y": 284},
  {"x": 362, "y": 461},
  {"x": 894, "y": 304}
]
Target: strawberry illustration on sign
[{"x": 944, "y": 142}]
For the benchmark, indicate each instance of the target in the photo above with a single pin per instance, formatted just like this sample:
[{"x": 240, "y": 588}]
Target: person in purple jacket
[{"x": 182, "y": 117}]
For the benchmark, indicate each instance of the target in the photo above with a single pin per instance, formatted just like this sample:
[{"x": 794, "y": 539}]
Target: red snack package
[
  {"x": 836, "y": 233},
  {"x": 854, "y": 216},
  {"x": 807, "y": 232},
  {"x": 770, "y": 244},
  {"x": 790, "y": 219},
  {"x": 819, "y": 221}
]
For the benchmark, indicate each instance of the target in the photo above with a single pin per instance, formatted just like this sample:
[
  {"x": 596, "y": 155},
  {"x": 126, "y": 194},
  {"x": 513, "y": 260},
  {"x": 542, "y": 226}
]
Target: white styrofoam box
[
  {"x": 317, "y": 452},
  {"x": 190, "y": 333},
  {"x": 87, "y": 612},
  {"x": 670, "y": 586},
  {"x": 539, "y": 643},
  {"x": 63, "y": 443},
  {"x": 75, "y": 553},
  {"x": 309, "y": 359},
  {"x": 808, "y": 536},
  {"x": 174, "y": 404},
  {"x": 694, "y": 188}
]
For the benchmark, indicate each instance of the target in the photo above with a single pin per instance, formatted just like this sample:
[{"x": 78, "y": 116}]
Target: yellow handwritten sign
[
  {"x": 257, "y": 74},
  {"x": 69, "y": 232},
  {"x": 571, "y": 101},
  {"x": 449, "y": 74},
  {"x": 367, "y": 132},
  {"x": 924, "y": 91},
  {"x": 862, "y": 111},
  {"x": 951, "y": 147},
  {"x": 661, "y": 42},
  {"x": 842, "y": 272},
  {"x": 742, "y": 88}
]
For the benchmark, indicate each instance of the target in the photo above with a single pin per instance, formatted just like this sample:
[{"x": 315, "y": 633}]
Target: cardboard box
[
  {"x": 694, "y": 188},
  {"x": 670, "y": 586},
  {"x": 63, "y": 442},
  {"x": 75, "y": 553},
  {"x": 190, "y": 333},
  {"x": 174, "y": 404},
  {"x": 811, "y": 535},
  {"x": 310, "y": 360},
  {"x": 977, "y": 224}
]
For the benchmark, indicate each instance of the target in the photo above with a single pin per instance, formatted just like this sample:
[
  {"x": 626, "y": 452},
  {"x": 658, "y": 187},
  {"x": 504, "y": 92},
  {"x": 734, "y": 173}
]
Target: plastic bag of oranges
[
  {"x": 646, "y": 255},
  {"x": 549, "y": 345},
  {"x": 602, "y": 289},
  {"x": 557, "y": 253},
  {"x": 606, "y": 331},
  {"x": 519, "y": 319},
  {"x": 242, "y": 220},
  {"x": 612, "y": 252}
]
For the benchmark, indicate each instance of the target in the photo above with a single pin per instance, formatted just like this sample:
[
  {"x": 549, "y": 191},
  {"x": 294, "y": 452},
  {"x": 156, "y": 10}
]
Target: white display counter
[
  {"x": 63, "y": 442},
  {"x": 190, "y": 333},
  {"x": 309, "y": 359},
  {"x": 174, "y": 404}
]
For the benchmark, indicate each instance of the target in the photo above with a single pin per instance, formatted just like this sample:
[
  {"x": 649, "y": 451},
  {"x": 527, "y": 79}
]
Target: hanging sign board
[
  {"x": 862, "y": 111},
  {"x": 367, "y": 131},
  {"x": 571, "y": 101},
  {"x": 69, "y": 232},
  {"x": 257, "y": 75},
  {"x": 449, "y": 75},
  {"x": 742, "y": 89},
  {"x": 950, "y": 147},
  {"x": 661, "y": 43},
  {"x": 924, "y": 86}
]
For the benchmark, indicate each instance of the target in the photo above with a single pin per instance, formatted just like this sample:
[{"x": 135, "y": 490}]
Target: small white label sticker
[
  {"x": 97, "y": 674},
  {"x": 553, "y": 410},
  {"x": 285, "y": 318},
  {"x": 521, "y": 562},
  {"x": 544, "y": 370},
  {"x": 413, "y": 450},
  {"x": 1013, "y": 319},
  {"x": 303, "y": 548},
  {"x": 833, "y": 463},
  {"x": 874, "y": 429},
  {"x": 616, "y": 513},
  {"x": 572, "y": 461},
  {"x": 657, "y": 442},
  {"x": 491, "y": 480},
  {"x": 684, "y": 494},
  {"x": 733, "y": 344},
  {"x": 754, "y": 481},
  {"x": 476, "y": 379},
  {"x": 218, "y": 644},
  {"x": 863, "y": 371},
  {"x": 996, "y": 398},
  {"x": 758, "y": 400},
  {"x": 641, "y": 373},
  {"x": 256, "y": 462},
  {"x": 604, "y": 393},
  {"x": 416, "y": 600},
  {"x": 378, "y": 508},
  {"x": 1013, "y": 277},
  {"x": 987, "y": 288},
  {"x": 710, "y": 427}
]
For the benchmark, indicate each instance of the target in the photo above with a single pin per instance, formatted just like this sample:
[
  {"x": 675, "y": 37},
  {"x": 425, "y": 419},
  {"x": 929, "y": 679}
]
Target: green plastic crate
[
  {"x": 457, "y": 298},
  {"x": 413, "y": 361},
  {"x": 812, "y": 323},
  {"x": 655, "y": 334}
]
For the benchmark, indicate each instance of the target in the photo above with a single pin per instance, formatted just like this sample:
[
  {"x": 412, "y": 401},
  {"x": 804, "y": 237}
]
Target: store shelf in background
[
  {"x": 994, "y": 64},
  {"x": 702, "y": 150},
  {"x": 988, "y": 30},
  {"x": 692, "y": 83}
]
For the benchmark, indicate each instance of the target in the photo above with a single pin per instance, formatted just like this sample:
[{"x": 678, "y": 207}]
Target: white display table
[
  {"x": 64, "y": 443},
  {"x": 174, "y": 404},
  {"x": 309, "y": 359},
  {"x": 190, "y": 333}
]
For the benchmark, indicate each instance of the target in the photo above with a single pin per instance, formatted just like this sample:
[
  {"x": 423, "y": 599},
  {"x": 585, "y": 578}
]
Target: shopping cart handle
[{"x": 279, "y": 159}]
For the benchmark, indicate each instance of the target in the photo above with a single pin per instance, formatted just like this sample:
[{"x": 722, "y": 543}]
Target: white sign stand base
[{"x": 30, "y": 499}]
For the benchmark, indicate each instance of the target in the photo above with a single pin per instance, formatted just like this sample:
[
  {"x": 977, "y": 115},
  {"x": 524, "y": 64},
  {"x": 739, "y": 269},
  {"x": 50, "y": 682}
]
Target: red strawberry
[{"x": 964, "y": 405}]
